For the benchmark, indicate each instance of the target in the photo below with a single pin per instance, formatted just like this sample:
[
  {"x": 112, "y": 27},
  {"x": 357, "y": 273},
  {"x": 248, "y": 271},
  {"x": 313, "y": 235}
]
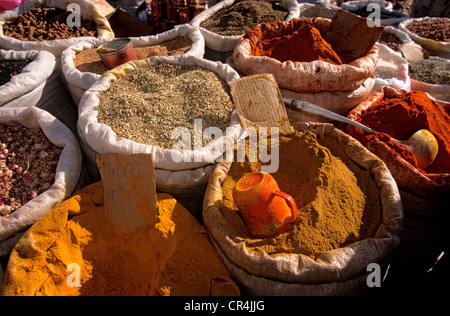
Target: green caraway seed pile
[{"x": 149, "y": 103}]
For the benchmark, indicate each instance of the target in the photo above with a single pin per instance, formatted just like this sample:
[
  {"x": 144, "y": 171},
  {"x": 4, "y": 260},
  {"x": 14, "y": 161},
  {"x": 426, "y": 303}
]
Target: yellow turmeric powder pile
[
  {"x": 75, "y": 250},
  {"x": 336, "y": 206}
]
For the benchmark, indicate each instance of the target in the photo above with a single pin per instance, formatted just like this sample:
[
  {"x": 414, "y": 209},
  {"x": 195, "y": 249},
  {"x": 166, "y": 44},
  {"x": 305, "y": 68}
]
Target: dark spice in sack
[
  {"x": 11, "y": 68},
  {"x": 44, "y": 24}
]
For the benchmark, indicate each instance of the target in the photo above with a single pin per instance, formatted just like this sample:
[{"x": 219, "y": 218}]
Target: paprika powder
[
  {"x": 303, "y": 45},
  {"x": 401, "y": 116}
]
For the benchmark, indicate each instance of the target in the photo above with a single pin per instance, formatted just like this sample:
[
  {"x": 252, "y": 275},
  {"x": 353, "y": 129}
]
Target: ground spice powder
[
  {"x": 241, "y": 16},
  {"x": 337, "y": 206},
  {"x": 400, "y": 117},
  {"x": 303, "y": 45},
  {"x": 173, "y": 257},
  {"x": 89, "y": 60},
  {"x": 149, "y": 103}
]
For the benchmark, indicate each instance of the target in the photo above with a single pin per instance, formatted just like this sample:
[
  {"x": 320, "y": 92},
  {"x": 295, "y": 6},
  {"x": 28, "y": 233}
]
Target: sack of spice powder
[
  {"x": 101, "y": 28},
  {"x": 207, "y": 98},
  {"x": 171, "y": 256},
  {"x": 218, "y": 42},
  {"x": 398, "y": 114},
  {"x": 350, "y": 215},
  {"x": 39, "y": 84},
  {"x": 81, "y": 74},
  {"x": 47, "y": 187},
  {"x": 429, "y": 32},
  {"x": 316, "y": 67}
]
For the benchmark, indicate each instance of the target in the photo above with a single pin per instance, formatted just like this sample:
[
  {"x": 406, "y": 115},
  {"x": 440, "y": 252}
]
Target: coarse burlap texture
[
  {"x": 435, "y": 47},
  {"x": 56, "y": 47},
  {"x": 78, "y": 82},
  {"x": 67, "y": 172},
  {"x": 185, "y": 179},
  {"x": 340, "y": 102},
  {"x": 221, "y": 43},
  {"x": 303, "y": 77},
  {"x": 424, "y": 197},
  {"x": 335, "y": 272}
]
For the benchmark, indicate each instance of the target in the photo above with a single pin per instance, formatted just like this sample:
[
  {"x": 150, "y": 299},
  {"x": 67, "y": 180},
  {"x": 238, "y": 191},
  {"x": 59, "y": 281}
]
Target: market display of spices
[
  {"x": 43, "y": 24},
  {"x": 335, "y": 208},
  {"x": 10, "y": 68},
  {"x": 438, "y": 29},
  {"x": 304, "y": 45},
  {"x": 158, "y": 99},
  {"x": 401, "y": 116},
  {"x": 342, "y": 204},
  {"x": 28, "y": 163},
  {"x": 433, "y": 71},
  {"x": 89, "y": 60},
  {"x": 242, "y": 15}
]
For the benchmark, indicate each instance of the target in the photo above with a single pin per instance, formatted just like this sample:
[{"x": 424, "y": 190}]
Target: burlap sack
[
  {"x": 424, "y": 197},
  {"x": 335, "y": 272},
  {"x": 340, "y": 102},
  {"x": 56, "y": 47},
  {"x": 303, "y": 77},
  {"x": 78, "y": 82},
  {"x": 220, "y": 43},
  {"x": 186, "y": 181},
  {"x": 67, "y": 172},
  {"x": 383, "y": 4},
  {"x": 438, "y": 91}
]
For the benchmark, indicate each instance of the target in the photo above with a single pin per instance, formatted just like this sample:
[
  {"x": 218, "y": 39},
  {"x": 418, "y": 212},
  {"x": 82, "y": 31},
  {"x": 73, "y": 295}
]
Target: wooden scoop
[{"x": 422, "y": 143}]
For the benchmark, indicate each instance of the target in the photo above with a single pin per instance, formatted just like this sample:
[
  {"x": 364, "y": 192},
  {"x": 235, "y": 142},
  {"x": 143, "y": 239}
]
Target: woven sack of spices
[
  {"x": 56, "y": 46},
  {"x": 78, "y": 82},
  {"x": 304, "y": 77},
  {"x": 39, "y": 84},
  {"x": 313, "y": 257},
  {"x": 392, "y": 69},
  {"x": 185, "y": 178},
  {"x": 223, "y": 43},
  {"x": 440, "y": 48},
  {"x": 171, "y": 257},
  {"x": 424, "y": 192},
  {"x": 68, "y": 171},
  {"x": 382, "y": 3},
  {"x": 432, "y": 70}
]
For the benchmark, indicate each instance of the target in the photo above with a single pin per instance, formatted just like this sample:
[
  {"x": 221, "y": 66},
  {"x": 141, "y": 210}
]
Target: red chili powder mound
[
  {"x": 303, "y": 45},
  {"x": 401, "y": 116}
]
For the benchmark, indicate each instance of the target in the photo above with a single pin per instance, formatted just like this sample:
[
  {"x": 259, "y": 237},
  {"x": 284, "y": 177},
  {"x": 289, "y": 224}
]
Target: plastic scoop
[{"x": 422, "y": 143}]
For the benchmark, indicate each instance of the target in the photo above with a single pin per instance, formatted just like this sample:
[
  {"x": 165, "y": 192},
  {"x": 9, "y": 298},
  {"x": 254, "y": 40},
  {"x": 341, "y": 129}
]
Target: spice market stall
[
  {"x": 182, "y": 89},
  {"x": 82, "y": 65},
  {"x": 424, "y": 189},
  {"x": 349, "y": 215},
  {"x": 224, "y": 23},
  {"x": 42, "y": 25},
  {"x": 324, "y": 71}
]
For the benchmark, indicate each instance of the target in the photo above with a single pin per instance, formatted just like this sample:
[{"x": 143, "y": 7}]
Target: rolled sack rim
[
  {"x": 331, "y": 266},
  {"x": 163, "y": 158},
  {"x": 306, "y": 77},
  {"x": 425, "y": 42}
]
